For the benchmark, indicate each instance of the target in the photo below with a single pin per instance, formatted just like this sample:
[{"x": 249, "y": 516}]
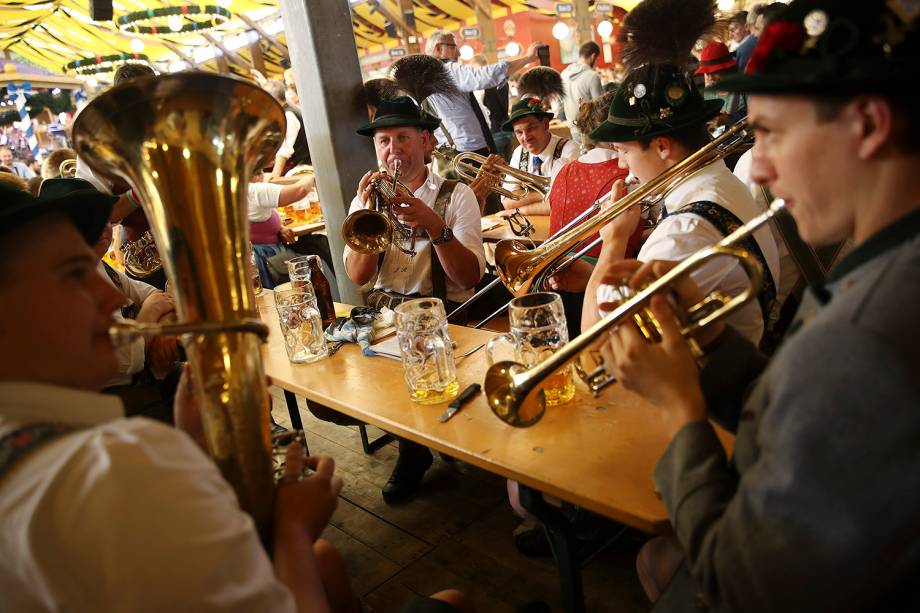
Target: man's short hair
[
  {"x": 739, "y": 17},
  {"x": 754, "y": 13},
  {"x": 438, "y": 37},
  {"x": 905, "y": 129},
  {"x": 51, "y": 167},
  {"x": 691, "y": 138},
  {"x": 588, "y": 49},
  {"x": 130, "y": 71},
  {"x": 13, "y": 180}
]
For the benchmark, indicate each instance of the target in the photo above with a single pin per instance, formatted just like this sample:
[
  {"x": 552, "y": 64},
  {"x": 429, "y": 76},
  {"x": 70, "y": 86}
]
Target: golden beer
[{"x": 559, "y": 388}]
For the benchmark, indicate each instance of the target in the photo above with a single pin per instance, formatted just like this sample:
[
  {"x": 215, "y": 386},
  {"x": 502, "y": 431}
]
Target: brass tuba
[
  {"x": 188, "y": 144},
  {"x": 142, "y": 258}
]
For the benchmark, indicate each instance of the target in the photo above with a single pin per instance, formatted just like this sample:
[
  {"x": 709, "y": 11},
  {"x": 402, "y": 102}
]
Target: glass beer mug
[
  {"x": 426, "y": 350},
  {"x": 538, "y": 329},
  {"x": 301, "y": 326}
]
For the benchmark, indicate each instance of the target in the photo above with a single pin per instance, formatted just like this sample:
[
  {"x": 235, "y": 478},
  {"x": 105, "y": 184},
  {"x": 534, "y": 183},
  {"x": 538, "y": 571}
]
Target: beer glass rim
[
  {"x": 300, "y": 259},
  {"x": 284, "y": 293},
  {"x": 409, "y": 305},
  {"x": 536, "y": 299}
]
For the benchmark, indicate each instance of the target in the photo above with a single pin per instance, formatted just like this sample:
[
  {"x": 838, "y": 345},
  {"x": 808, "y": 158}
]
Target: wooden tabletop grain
[{"x": 596, "y": 453}]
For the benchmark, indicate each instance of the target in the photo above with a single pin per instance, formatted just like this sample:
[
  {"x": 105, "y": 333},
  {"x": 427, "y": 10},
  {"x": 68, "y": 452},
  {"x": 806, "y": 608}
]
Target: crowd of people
[{"x": 109, "y": 501}]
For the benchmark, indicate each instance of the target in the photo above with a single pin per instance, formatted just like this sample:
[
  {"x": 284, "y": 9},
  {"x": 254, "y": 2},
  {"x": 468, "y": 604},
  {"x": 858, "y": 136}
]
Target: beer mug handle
[{"x": 495, "y": 341}]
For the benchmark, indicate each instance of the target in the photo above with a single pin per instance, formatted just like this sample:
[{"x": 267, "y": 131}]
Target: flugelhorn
[
  {"x": 520, "y": 268},
  {"x": 374, "y": 229},
  {"x": 514, "y": 393},
  {"x": 188, "y": 144},
  {"x": 468, "y": 167}
]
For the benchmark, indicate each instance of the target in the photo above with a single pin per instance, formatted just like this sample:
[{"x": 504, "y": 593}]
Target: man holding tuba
[
  {"x": 449, "y": 258},
  {"x": 817, "y": 510}
]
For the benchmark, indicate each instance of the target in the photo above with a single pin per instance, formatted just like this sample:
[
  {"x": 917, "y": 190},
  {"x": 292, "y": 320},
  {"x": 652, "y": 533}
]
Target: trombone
[
  {"x": 469, "y": 166},
  {"x": 514, "y": 393},
  {"x": 521, "y": 268},
  {"x": 374, "y": 229}
]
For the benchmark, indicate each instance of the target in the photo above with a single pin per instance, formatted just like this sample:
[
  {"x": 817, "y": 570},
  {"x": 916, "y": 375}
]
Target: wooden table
[
  {"x": 502, "y": 230},
  {"x": 303, "y": 228},
  {"x": 596, "y": 453}
]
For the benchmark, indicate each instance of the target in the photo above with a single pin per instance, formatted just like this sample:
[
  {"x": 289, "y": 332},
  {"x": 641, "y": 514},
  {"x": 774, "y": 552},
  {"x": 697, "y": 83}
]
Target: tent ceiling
[{"x": 51, "y": 33}]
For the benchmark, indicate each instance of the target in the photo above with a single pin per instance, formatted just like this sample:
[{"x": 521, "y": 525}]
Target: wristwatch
[{"x": 446, "y": 235}]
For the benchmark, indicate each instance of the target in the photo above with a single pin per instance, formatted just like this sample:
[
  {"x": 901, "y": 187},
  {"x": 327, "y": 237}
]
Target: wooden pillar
[
  {"x": 487, "y": 29},
  {"x": 583, "y": 28},
  {"x": 326, "y": 66},
  {"x": 410, "y": 37}
]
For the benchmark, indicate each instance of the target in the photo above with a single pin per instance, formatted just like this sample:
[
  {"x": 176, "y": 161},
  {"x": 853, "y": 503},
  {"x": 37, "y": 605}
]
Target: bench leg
[
  {"x": 294, "y": 413},
  {"x": 561, "y": 534},
  {"x": 372, "y": 446}
]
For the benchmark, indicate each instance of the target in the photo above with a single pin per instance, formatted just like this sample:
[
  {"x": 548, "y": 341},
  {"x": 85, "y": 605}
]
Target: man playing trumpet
[
  {"x": 449, "y": 258},
  {"x": 817, "y": 510}
]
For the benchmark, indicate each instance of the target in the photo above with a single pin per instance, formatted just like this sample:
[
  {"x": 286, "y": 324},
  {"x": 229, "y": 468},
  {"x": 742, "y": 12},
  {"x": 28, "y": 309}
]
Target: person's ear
[
  {"x": 872, "y": 123},
  {"x": 663, "y": 147}
]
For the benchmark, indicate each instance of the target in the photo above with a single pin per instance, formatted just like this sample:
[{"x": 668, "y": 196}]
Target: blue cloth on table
[{"x": 357, "y": 328}]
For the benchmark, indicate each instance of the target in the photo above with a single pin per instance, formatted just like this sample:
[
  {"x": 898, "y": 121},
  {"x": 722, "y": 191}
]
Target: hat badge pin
[{"x": 639, "y": 90}]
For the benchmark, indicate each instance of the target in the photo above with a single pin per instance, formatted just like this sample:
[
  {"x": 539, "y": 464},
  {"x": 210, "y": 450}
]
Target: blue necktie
[{"x": 537, "y": 165}]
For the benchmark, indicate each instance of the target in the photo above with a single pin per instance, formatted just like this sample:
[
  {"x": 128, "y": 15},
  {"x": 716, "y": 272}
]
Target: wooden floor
[{"x": 455, "y": 533}]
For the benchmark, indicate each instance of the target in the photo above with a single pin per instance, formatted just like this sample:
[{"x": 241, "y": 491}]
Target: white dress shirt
[
  {"x": 407, "y": 274},
  {"x": 679, "y": 236},
  {"x": 549, "y": 167},
  {"x": 131, "y": 356},
  {"x": 121, "y": 515},
  {"x": 262, "y": 200},
  {"x": 455, "y": 111}
]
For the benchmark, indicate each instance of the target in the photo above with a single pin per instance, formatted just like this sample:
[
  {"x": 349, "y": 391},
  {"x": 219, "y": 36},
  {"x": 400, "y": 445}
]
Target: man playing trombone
[
  {"x": 817, "y": 510},
  {"x": 656, "y": 120}
]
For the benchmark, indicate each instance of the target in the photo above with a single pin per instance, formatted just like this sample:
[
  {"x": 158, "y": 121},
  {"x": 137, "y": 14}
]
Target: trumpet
[
  {"x": 469, "y": 166},
  {"x": 373, "y": 230},
  {"x": 521, "y": 268},
  {"x": 515, "y": 394}
]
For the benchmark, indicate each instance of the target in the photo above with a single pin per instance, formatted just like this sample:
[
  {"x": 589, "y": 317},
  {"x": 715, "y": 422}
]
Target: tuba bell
[{"x": 188, "y": 143}]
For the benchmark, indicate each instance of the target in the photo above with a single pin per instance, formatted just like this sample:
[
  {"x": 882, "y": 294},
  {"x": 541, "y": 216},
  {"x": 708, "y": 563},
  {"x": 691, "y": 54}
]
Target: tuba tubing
[
  {"x": 520, "y": 268},
  {"x": 514, "y": 392},
  {"x": 187, "y": 144}
]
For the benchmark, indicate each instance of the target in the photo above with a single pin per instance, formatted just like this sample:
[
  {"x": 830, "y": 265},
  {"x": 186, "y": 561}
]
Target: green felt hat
[
  {"x": 826, "y": 47},
  {"x": 401, "y": 111},
  {"x": 523, "y": 108},
  {"x": 654, "y": 100}
]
